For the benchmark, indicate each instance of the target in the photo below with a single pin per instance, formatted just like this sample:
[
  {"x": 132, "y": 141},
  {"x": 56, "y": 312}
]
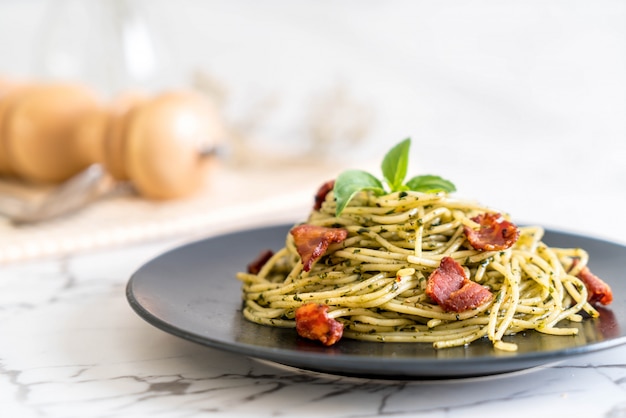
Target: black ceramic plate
[{"x": 192, "y": 292}]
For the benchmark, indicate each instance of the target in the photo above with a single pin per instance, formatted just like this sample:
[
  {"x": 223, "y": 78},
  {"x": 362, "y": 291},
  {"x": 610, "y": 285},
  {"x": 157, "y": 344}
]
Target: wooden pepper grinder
[{"x": 50, "y": 132}]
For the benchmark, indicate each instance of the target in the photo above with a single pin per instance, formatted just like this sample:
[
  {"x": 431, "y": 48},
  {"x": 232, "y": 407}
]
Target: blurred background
[{"x": 521, "y": 104}]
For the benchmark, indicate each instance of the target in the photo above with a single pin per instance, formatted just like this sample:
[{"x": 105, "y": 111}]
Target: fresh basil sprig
[{"x": 394, "y": 167}]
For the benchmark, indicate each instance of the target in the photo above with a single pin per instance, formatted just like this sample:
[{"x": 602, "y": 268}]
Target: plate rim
[{"x": 286, "y": 356}]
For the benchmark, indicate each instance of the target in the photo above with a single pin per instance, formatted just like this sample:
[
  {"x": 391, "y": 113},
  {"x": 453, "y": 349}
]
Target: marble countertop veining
[{"x": 71, "y": 346}]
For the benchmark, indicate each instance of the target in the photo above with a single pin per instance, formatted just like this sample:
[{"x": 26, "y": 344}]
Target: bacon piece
[
  {"x": 452, "y": 290},
  {"x": 312, "y": 322},
  {"x": 312, "y": 241},
  {"x": 495, "y": 233},
  {"x": 597, "y": 290},
  {"x": 255, "y": 266},
  {"x": 320, "y": 196}
]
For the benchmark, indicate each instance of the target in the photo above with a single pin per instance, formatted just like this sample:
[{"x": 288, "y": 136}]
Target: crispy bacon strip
[
  {"x": 312, "y": 322},
  {"x": 320, "y": 196},
  {"x": 495, "y": 233},
  {"x": 452, "y": 290},
  {"x": 597, "y": 290},
  {"x": 312, "y": 241},
  {"x": 257, "y": 264}
]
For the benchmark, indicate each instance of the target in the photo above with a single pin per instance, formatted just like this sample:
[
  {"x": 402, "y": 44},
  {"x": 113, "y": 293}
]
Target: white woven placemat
[{"x": 234, "y": 198}]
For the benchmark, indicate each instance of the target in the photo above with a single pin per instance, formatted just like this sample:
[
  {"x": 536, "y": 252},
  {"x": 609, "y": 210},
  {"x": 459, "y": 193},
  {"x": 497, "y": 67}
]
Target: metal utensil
[{"x": 75, "y": 193}]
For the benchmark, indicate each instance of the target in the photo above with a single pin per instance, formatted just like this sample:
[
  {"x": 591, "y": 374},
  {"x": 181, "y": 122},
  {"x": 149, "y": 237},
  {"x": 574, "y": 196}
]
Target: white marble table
[{"x": 72, "y": 347}]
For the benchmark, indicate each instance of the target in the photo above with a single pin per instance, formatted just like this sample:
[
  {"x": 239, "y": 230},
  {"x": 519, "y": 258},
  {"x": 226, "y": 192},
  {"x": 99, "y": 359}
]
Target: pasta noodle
[{"x": 374, "y": 281}]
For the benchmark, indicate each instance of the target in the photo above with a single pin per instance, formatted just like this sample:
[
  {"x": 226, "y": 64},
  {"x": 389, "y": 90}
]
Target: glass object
[{"x": 106, "y": 44}]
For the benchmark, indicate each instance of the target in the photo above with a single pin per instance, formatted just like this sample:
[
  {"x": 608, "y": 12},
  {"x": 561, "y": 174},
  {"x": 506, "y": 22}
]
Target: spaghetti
[
  {"x": 409, "y": 263},
  {"x": 374, "y": 282}
]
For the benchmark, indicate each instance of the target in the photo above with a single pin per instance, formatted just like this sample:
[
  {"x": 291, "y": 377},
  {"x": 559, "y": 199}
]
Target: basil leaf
[
  {"x": 430, "y": 184},
  {"x": 349, "y": 183},
  {"x": 395, "y": 164}
]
